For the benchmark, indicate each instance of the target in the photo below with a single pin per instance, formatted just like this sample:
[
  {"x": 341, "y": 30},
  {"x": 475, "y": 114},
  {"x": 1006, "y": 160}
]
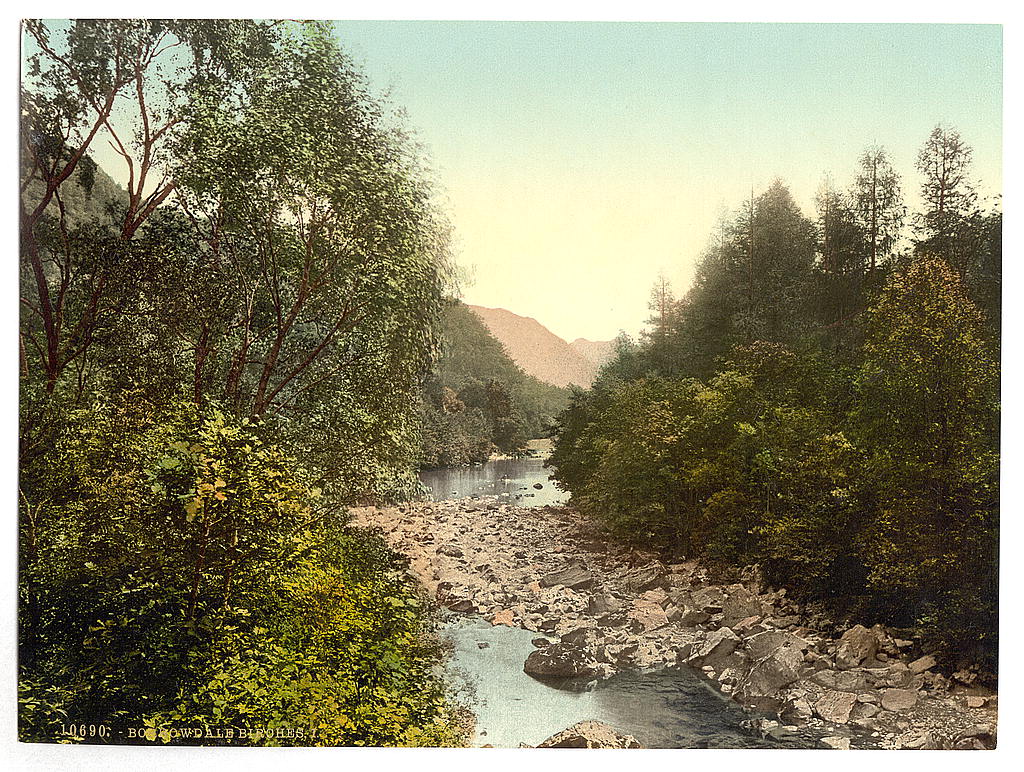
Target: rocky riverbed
[{"x": 599, "y": 608}]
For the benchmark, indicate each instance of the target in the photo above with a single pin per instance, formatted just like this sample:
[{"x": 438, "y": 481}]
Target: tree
[
  {"x": 944, "y": 163},
  {"x": 85, "y": 82},
  {"x": 928, "y": 411},
  {"x": 879, "y": 204}
]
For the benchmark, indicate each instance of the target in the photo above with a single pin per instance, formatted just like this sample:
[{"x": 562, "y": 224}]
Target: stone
[
  {"x": 590, "y": 734},
  {"x": 644, "y": 578},
  {"x": 574, "y": 577},
  {"x": 836, "y": 743},
  {"x": 450, "y": 550},
  {"x": 898, "y": 699},
  {"x": 835, "y": 706},
  {"x": 841, "y": 680},
  {"x": 855, "y": 646},
  {"x": 767, "y": 643},
  {"x": 646, "y": 615},
  {"x": 559, "y": 661},
  {"x": 718, "y": 644},
  {"x": 797, "y": 710},
  {"x": 922, "y": 664},
  {"x": 463, "y": 606},
  {"x": 864, "y": 710},
  {"x": 976, "y": 702},
  {"x": 773, "y": 672},
  {"x": 581, "y": 636},
  {"x": 693, "y": 617},
  {"x": 504, "y": 617},
  {"x": 739, "y": 604}
]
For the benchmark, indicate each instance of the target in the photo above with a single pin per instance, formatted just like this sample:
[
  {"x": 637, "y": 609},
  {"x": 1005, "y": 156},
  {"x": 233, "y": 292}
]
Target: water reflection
[
  {"x": 662, "y": 709},
  {"x": 512, "y": 480}
]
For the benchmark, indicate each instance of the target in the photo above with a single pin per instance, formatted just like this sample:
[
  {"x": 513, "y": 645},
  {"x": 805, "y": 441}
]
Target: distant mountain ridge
[
  {"x": 540, "y": 352},
  {"x": 597, "y": 351}
]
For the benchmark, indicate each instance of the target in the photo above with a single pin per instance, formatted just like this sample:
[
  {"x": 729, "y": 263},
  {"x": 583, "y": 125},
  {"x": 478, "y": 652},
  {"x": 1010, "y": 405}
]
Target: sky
[{"x": 577, "y": 161}]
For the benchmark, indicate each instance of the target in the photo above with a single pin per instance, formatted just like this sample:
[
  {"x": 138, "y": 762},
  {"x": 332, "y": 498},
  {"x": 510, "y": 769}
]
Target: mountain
[
  {"x": 537, "y": 350},
  {"x": 596, "y": 351},
  {"x": 478, "y": 400}
]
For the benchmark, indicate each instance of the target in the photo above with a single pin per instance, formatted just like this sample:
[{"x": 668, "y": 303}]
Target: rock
[
  {"x": 644, "y": 578},
  {"x": 590, "y": 734},
  {"x": 740, "y": 604},
  {"x": 581, "y": 636},
  {"x": 797, "y": 710},
  {"x": 540, "y": 643},
  {"x": 835, "y": 706},
  {"x": 770, "y": 673},
  {"x": 574, "y": 577},
  {"x": 864, "y": 710},
  {"x": 718, "y": 644},
  {"x": 709, "y": 600},
  {"x": 841, "y": 680},
  {"x": 450, "y": 550},
  {"x": 504, "y": 617},
  {"x": 855, "y": 646},
  {"x": 559, "y": 661},
  {"x": 646, "y": 615},
  {"x": 898, "y": 699},
  {"x": 976, "y": 702},
  {"x": 836, "y": 743},
  {"x": 463, "y": 606},
  {"x": 693, "y": 617},
  {"x": 922, "y": 664},
  {"x": 767, "y": 643},
  {"x": 483, "y": 645}
]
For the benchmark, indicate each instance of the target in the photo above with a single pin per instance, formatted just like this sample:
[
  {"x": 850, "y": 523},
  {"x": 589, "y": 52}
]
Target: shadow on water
[
  {"x": 671, "y": 708},
  {"x": 512, "y": 480}
]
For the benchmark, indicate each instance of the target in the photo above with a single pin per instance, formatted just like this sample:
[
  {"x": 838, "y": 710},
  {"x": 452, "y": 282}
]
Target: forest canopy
[
  {"x": 214, "y": 360},
  {"x": 823, "y": 401}
]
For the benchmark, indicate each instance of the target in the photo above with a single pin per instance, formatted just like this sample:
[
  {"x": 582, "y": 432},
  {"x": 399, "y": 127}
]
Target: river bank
[{"x": 600, "y": 608}]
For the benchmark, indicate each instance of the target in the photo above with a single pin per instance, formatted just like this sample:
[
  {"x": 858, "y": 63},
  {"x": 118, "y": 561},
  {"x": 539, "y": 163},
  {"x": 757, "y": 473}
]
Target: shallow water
[
  {"x": 511, "y": 480},
  {"x": 671, "y": 708}
]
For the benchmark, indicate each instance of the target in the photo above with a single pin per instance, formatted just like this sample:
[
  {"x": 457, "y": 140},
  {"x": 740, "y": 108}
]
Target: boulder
[
  {"x": 739, "y": 604},
  {"x": 922, "y": 664},
  {"x": 644, "y": 578},
  {"x": 835, "y": 706},
  {"x": 574, "y": 577},
  {"x": 451, "y": 550},
  {"x": 590, "y": 734},
  {"x": 857, "y": 645},
  {"x": 559, "y": 661},
  {"x": 717, "y": 645},
  {"x": 767, "y": 643},
  {"x": 898, "y": 699},
  {"x": 647, "y": 615},
  {"x": 770, "y": 673}
]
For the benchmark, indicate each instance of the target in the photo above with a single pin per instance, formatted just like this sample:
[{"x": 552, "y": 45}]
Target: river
[
  {"x": 667, "y": 708},
  {"x": 513, "y": 481}
]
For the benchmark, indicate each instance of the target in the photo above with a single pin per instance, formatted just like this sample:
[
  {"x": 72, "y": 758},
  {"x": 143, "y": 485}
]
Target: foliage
[
  {"x": 478, "y": 400},
  {"x": 214, "y": 361},
  {"x": 835, "y": 421},
  {"x": 183, "y": 570}
]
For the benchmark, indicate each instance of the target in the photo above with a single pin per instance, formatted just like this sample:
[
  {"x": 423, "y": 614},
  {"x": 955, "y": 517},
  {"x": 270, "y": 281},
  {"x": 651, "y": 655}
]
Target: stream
[{"x": 667, "y": 708}]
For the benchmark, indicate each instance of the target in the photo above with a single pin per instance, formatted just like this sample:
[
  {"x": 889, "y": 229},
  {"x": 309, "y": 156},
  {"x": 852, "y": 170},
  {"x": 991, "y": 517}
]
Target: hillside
[
  {"x": 478, "y": 399},
  {"x": 537, "y": 350},
  {"x": 596, "y": 351}
]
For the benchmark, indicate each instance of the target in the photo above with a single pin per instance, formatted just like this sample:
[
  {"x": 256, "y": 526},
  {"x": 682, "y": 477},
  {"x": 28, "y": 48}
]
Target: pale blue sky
[{"x": 579, "y": 159}]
